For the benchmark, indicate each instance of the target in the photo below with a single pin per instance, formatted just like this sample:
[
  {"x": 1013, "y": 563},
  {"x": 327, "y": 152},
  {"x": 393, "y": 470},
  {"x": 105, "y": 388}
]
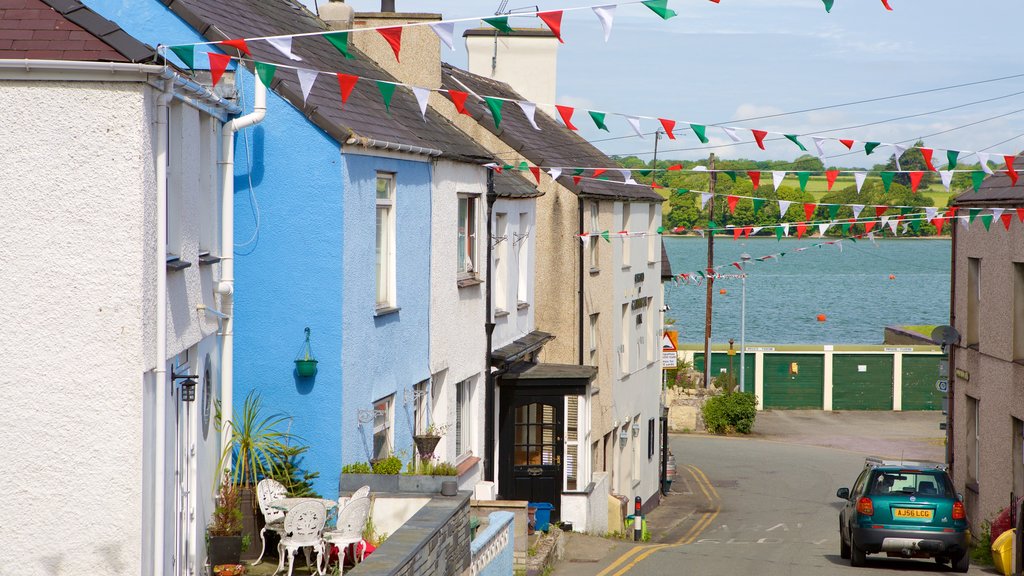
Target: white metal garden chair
[
  {"x": 303, "y": 528},
  {"x": 349, "y": 530},
  {"x": 267, "y": 491},
  {"x": 363, "y": 492}
]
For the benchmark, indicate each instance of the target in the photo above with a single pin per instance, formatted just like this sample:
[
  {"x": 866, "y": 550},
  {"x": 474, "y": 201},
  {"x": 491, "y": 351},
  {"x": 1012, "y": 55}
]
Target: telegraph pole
[{"x": 710, "y": 275}]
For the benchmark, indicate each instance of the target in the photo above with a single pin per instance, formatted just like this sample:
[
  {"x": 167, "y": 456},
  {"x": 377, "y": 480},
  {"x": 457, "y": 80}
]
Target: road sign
[
  {"x": 669, "y": 349},
  {"x": 942, "y": 385}
]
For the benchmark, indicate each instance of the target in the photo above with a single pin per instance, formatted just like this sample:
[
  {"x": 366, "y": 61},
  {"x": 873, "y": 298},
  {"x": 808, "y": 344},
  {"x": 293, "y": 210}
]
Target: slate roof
[
  {"x": 996, "y": 190},
  {"x": 364, "y": 115},
  {"x": 64, "y": 30},
  {"x": 514, "y": 186},
  {"x": 552, "y": 145}
]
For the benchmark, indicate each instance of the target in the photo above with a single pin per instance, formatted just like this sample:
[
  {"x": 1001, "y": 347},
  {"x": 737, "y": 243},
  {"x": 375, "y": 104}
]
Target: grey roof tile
[{"x": 996, "y": 190}]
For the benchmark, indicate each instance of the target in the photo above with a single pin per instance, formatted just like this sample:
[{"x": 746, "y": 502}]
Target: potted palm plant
[{"x": 225, "y": 529}]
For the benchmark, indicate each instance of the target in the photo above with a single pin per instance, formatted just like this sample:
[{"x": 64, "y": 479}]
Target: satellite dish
[{"x": 944, "y": 336}]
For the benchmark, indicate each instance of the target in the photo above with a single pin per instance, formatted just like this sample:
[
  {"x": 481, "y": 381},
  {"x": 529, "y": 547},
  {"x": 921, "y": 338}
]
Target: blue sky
[{"x": 719, "y": 63}]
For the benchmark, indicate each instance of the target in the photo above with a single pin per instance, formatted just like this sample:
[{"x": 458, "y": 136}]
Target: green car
[{"x": 904, "y": 509}]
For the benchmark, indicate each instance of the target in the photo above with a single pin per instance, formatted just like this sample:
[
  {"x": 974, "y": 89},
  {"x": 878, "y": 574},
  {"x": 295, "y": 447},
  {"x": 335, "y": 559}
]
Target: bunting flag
[
  {"x": 187, "y": 54},
  {"x": 732, "y": 200},
  {"x": 660, "y": 7},
  {"x": 784, "y": 207},
  {"x": 926, "y": 153},
  {"x": 238, "y": 44},
  {"x": 668, "y": 125},
  {"x": 792, "y": 138},
  {"x": 892, "y": 226},
  {"x": 607, "y": 236},
  {"x": 731, "y": 133},
  {"x": 897, "y": 151},
  {"x": 822, "y": 228},
  {"x": 445, "y": 32},
  {"x": 976, "y": 178},
  {"x": 554, "y": 173},
  {"x": 777, "y": 177},
  {"x": 500, "y": 23},
  {"x": 459, "y": 99},
  {"x": 387, "y": 90},
  {"x": 833, "y": 211},
  {"x": 606, "y": 14},
  {"x": 973, "y": 213},
  {"x": 997, "y": 213},
  {"x": 494, "y": 105},
  {"x": 868, "y": 227},
  {"x": 758, "y": 204},
  {"x": 1010, "y": 170},
  {"x": 422, "y": 96},
  {"x": 1020, "y": 214},
  {"x": 869, "y": 147},
  {"x": 598, "y": 118},
  {"x": 819, "y": 145},
  {"x": 886, "y": 4},
  {"x": 704, "y": 197},
  {"x": 265, "y": 72},
  {"x": 566, "y": 113},
  {"x": 880, "y": 210},
  {"x": 887, "y": 178},
  {"x": 947, "y": 178},
  {"x": 803, "y": 177},
  {"x": 800, "y": 229},
  {"x": 347, "y": 82},
  {"x": 983, "y": 160},
  {"x": 634, "y": 123},
  {"x": 857, "y": 209},
  {"x": 1006, "y": 218},
  {"x": 393, "y": 36},
  {"x": 536, "y": 173},
  {"x": 848, "y": 143},
  {"x": 809, "y": 208},
  {"x": 986, "y": 219},
  {"x": 340, "y": 41},
  {"x": 828, "y": 5},
  {"x": 830, "y": 176},
  {"x": 778, "y": 232},
  {"x": 915, "y": 181},
  {"x": 859, "y": 178},
  {"x": 951, "y": 157},
  {"x": 530, "y": 111},
  {"x": 700, "y": 130},
  {"x": 759, "y": 137},
  {"x": 755, "y": 178},
  {"x": 218, "y": 64},
  {"x": 553, "y": 20},
  {"x": 306, "y": 80},
  {"x": 576, "y": 180},
  {"x": 283, "y": 44}
]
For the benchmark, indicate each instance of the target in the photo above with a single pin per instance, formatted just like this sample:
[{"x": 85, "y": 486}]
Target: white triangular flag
[
  {"x": 783, "y": 207},
  {"x": 892, "y": 225},
  {"x": 446, "y": 32},
  {"x": 555, "y": 173},
  {"x": 699, "y": 168},
  {"x": 884, "y": 220},
  {"x": 606, "y": 14},
  {"x": 777, "y": 178},
  {"x": 731, "y": 133},
  {"x": 947, "y": 177},
  {"x": 906, "y": 225},
  {"x": 930, "y": 213},
  {"x": 983, "y": 158},
  {"x": 898, "y": 151},
  {"x": 754, "y": 233},
  {"x": 634, "y": 123},
  {"x": 964, "y": 221},
  {"x": 871, "y": 236},
  {"x": 823, "y": 227},
  {"x": 422, "y": 95},
  {"x": 584, "y": 238},
  {"x": 306, "y": 79},
  {"x": 859, "y": 178},
  {"x": 819, "y": 143},
  {"x": 839, "y": 244},
  {"x": 997, "y": 213},
  {"x": 857, "y": 209},
  {"x": 627, "y": 176},
  {"x": 704, "y": 197},
  {"x": 785, "y": 230},
  {"x": 284, "y": 46},
  {"x": 530, "y": 110}
]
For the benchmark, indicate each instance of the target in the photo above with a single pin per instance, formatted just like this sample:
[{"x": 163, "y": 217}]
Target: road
[{"x": 747, "y": 506}]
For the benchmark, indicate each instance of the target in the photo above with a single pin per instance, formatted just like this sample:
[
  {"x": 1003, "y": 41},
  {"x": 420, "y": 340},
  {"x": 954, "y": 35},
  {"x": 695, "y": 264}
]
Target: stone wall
[
  {"x": 483, "y": 509},
  {"x": 492, "y": 548},
  {"x": 684, "y": 408}
]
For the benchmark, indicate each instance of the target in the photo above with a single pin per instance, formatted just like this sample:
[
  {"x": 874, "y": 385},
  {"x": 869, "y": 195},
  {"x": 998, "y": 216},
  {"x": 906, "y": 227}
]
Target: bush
[
  {"x": 981, "y": 546},
  {"x": 730, "y": 413},
  {"x": 357, "y": 468},
  {"x": 389, "y": 465}
]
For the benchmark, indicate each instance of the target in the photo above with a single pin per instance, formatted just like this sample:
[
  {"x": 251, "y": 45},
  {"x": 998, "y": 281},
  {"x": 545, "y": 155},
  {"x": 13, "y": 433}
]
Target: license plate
[{"x": 915, "y": 513}]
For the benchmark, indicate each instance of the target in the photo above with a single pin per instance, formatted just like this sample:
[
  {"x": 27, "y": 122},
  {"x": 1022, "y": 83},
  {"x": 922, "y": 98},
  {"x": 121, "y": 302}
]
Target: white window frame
[
  {"x": 467, "y": 243},
  {"x": 386, "y": 270},
  {"x": 523, "y": 261},
  {"x": 594, "y": 319},
  {"x": 175, "y": 179},
  {"x": 595, "y": 236},
  {"x": 420, "y": 393},
  {"x": 384, "y": 424},
  {"x": 634, "y": 438},
  {"x": 653, "y": 253},
  {"x": 624, "y": 345},
  {"x": 209, "y": 216},
  {"x": 572, "y": 440},
  {"x": 463, "y": 419},
  {"x": 501, "y": 257}
]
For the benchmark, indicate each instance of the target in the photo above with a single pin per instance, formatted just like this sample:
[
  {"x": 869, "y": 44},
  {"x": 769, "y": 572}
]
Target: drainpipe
[
  {"x": 579, "y": 204},
  {"x": 160, "y": 372},
  {"x": 489, "y": 416},
  {"x": 226, "y": 286}
]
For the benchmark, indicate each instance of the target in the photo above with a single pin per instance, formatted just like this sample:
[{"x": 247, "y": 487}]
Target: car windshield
[{"x": 910, "y": 482}]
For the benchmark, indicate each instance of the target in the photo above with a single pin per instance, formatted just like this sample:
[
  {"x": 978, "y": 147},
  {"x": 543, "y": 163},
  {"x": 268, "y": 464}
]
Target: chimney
[
  {"x": 337, "y": 15},
  {"x": 526, "y": 59},
  {"x": 387, "y": 5},
  {"x": 420, "y": 63}
]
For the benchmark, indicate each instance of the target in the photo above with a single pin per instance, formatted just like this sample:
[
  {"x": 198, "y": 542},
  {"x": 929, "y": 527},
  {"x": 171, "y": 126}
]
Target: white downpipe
[
  {"x": 226, "y": 286},
  {"x": 160, "y": 373}
]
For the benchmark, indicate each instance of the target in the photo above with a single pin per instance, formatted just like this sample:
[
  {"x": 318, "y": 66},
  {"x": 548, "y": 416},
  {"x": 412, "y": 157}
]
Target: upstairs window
[
  {"x": 973, "y": 301},
  {"x": 467, "y": 250},
  {"x": 385, "y": 241}
]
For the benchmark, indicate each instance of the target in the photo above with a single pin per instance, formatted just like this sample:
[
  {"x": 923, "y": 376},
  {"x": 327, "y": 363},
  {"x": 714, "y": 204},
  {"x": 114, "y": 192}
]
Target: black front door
[{"x": 533, "y": 455}]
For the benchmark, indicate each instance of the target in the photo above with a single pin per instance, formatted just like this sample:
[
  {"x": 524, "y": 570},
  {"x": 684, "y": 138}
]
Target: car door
[{"x": 850, "y": 506}]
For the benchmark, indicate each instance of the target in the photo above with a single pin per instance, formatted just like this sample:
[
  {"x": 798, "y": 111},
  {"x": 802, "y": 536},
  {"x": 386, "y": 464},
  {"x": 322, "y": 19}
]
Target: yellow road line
[
  {"x": 706, "y": 481},
  {"x": 622, "y": 559},
  {"x": 700, "y": 484}
]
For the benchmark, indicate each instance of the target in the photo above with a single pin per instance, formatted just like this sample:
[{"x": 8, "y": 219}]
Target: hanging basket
[
  {"x": 305, "y": 363},
  {"x": 425, "y": 445}
]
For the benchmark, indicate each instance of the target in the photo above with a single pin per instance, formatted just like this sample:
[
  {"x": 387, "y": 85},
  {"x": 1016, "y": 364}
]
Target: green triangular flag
[
  {"x": 495, "y": 105},
  {"x": 778, "y": 232},
  {"x": 681, "y": 191},
  {"x": 387, "y": 90},
  {"x": 661, "y": 229},
  {"x": 576, "y": 172},
  {"x": 499, "y": 22},
  {"x": 730, "y": 174},
  {"x": 340, "y": 41},
  {"x": 758, "y": 204},
  {"x": 951, "y": 156},
  {"x": 644, "y": 172},
  {"x": 972, "y": 214},
  {"x": 523, "y": 167},
  {"x": 598, "y": 118},
  {"x": 660, "y": 7},
  {"x": 916, "y": 225},
  {"x": 606, "y": 236},
  {"x": 803, "y": 177},
  {"x": 986, "y": 220},
  {"x": 887, "y": 179},
  {"x": 602, "y": 178},
  {"x": 904, "y": 210},
  {"x": 507, "y": 167},
  {"x": 265, "y": 72},
  {"x": 781, "y": 254},
  {"x": 792, "y": 138},
  {"x": 869, "y": 147},
  {"x": 828, "y": 5},
  {"x": 846, "y": 227},
  {"x": 712, "y": 225},
  {"x": 833, "y": 211},
  {"x": 701, "y": 272},
  {"x": 853, "y": 239},
  {"x": 187, "y": 55},
  {"x": 976, "y": 178},
  {"x": 699, "y": 131}
]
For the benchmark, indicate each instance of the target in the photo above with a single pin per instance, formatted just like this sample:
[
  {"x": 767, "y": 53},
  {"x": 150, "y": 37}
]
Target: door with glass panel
[{"x": 537, "y": 450}]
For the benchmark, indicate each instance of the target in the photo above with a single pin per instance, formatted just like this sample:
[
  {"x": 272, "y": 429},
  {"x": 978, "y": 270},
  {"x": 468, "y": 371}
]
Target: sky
[{"x": 725, "y": 62}]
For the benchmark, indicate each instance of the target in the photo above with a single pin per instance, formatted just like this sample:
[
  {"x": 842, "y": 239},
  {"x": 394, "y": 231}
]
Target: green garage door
[
  {"x": 919, "y": 376},
  {"x": 862, "y": 381},
  {"x": 794, "y": 381},
  {"x": 720, "y": 363}
]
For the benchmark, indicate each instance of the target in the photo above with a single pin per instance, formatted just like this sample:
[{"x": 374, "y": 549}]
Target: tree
[{"x": 911, "y": 160}]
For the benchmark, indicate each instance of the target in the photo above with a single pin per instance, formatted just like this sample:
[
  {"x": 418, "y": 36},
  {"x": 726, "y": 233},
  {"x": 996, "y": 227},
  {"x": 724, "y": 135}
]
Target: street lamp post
[{"x": 743, "y": 324}]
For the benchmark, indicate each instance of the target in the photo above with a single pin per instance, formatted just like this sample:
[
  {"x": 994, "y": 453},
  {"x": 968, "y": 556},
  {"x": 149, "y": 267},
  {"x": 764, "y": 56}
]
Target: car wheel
[
  {"x": 844, "y": 548},
  {"x": 941, "y": 560},
  {"x": 857, "y": 556},
  {"x": 962, "y": 563}
]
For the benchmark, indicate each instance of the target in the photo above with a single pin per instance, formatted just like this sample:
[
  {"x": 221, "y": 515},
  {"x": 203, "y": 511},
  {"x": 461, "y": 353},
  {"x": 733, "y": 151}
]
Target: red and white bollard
[{"x": 637, "y": 520}]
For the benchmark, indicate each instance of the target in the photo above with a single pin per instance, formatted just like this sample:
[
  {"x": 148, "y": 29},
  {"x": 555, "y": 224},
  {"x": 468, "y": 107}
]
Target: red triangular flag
[
  {"x": 927, "y": 154},
  {"x": 938, "y": 223},
  {"x": 1006, "y": 217},
  {"x": 576, "y": 180},
  {"x": 951, "y": 211},
  {"x": 801, "y": 227},
  {"x": 847, "y": 143},
  {"x": 809, "y": 210},
  {"x": 831, "y": 175},
  {"x": 394, "y": 37},
  {"x": 868, "y": 227},
  {"x": 1020, "y": 214},
  {"x": 759, "y": 136},
  {"x": 655, "y": 185},
  {"x": 566, "y": 113},
  {"x": 347, "y": 83},
  {"x": 736, "y": 235},
  {"x": 755, "y": 178},
  {"x": 598, "y": 172},
  {"x": 218, "y": 64},
  {"x": 732, "y": 200},
  {"x": 915, "y": 180},
  {"x": 238, "y": 43},
  {"x": 886, "y": 4},
  {"x": 498, "y": 169},
  {"x": 1010, "y": 171},
  {"x": 879, "y": 210},
  {"x": 459, "y": 99},
  {"x": 536, "y": 173},
  {"x": 669, "y": 126},
  {"x": 676, "y": 167},
  {"x": 746, "y": 232},
  {"x": 554, "y": 21}
]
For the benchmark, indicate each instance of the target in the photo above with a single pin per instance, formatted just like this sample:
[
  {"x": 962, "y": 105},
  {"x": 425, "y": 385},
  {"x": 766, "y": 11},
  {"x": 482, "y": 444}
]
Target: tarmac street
[{"x": 764, "y": 504}]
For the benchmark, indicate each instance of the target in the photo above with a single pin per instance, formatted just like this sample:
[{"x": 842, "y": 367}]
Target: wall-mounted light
[
  {"x": 794, "y": 369},
  {"x": 636, "y": 429},
  {"x": 623, "y": 435}
]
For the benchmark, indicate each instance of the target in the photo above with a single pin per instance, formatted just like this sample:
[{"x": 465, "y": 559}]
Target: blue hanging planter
[{"x": 305, "y": 363}]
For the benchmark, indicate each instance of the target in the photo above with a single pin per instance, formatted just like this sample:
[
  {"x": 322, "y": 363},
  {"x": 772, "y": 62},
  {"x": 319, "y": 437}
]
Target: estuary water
[{"x": 860, "y": 289}]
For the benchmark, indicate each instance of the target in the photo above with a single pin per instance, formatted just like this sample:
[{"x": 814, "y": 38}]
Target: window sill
[
  {"x": 627, "y": 267},
  {"x": 522, "y": 305},
  {"x": 499, "y": 313},
  {"x": 469, "y": 281},
  {"x": 385, "y": 311},
  {"x": 636, "y": 483},
  {"x": 206, "y": 259},
  {"x": 594, "y": 270},
  {"x": 466, "y": 465},
  {"x": 176, "y": 264}
]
